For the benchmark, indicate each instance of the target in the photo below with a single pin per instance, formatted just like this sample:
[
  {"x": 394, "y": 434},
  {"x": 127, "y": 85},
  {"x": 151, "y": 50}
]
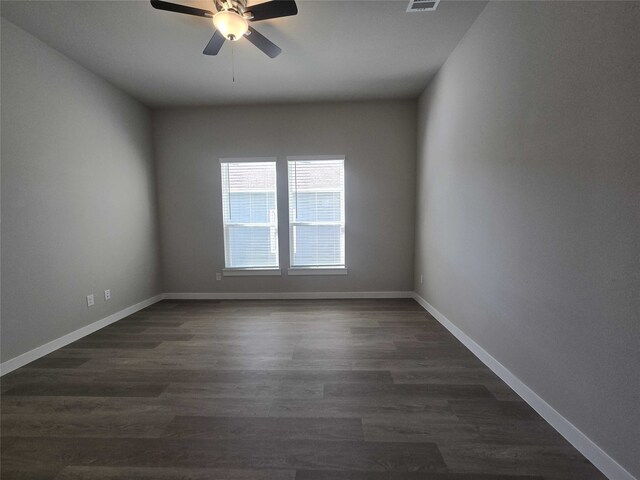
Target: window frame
[
  {"x": 318, "y": 269},
  {"x": 250, "y": 271}
]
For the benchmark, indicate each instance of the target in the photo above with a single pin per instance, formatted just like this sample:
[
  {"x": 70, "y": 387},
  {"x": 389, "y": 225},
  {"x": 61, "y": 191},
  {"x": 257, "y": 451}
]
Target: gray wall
[
  {"x": 379, "y": 141},
  {"x": 528, "y": 221},
  {"x": 78, "y": 196}
]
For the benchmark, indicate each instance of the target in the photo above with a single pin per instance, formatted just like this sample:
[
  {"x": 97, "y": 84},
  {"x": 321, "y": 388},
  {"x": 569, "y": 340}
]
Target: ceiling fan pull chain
[{"x": 233, "y": 68}]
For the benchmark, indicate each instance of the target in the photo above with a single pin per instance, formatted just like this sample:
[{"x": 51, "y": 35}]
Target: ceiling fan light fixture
[{"x": 230, "y": 24}]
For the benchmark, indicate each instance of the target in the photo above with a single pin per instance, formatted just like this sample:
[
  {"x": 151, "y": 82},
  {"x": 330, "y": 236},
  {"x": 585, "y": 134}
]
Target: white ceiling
[{"x": 332, "y": 50}]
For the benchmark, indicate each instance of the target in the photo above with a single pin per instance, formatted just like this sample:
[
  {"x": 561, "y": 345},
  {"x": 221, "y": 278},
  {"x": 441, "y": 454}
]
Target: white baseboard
[
  {"x": 285, "y": 295},
  {"x": 41, "y": 351},
  {"x": 607, "y": 465}
]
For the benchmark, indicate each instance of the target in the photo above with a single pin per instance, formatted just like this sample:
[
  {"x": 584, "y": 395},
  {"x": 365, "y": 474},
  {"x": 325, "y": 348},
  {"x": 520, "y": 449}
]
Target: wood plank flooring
[{"x": 274, "y": 390}]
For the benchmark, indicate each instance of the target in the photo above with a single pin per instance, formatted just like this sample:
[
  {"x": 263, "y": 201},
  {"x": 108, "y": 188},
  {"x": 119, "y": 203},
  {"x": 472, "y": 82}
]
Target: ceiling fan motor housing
[{"x": 238, "y": 6}]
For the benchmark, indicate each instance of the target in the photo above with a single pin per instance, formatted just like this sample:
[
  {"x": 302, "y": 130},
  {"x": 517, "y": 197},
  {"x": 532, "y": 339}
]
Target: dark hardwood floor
[{"x": 274, "y": 390}]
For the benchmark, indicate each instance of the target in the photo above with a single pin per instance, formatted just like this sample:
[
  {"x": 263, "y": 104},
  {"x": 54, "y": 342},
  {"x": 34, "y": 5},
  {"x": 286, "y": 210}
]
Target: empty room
[{"x": 320, "y": 240}]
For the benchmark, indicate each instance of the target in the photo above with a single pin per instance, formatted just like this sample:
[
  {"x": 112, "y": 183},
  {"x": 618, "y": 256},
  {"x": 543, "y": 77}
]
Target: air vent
[{"x": 422, "y": 5}]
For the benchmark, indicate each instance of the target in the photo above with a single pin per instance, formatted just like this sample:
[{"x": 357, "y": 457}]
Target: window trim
[
  {"x": 249, "y": 160},
  {"x": 308, "y": 158},
  {"x": 317, "y": 269},
  {"x": 272, "y": 270},
  {"x": 323, "y": 270},
  {"x": 251, "y": 272}
]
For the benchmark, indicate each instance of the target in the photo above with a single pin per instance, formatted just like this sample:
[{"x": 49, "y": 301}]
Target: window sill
[
  {"x": 251, "y": 272},
  {"x": 317, "y": 271}
]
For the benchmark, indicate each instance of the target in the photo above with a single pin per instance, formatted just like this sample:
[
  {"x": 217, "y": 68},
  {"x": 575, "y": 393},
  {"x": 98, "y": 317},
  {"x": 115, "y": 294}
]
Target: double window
[{"x": 316, "y": 215}]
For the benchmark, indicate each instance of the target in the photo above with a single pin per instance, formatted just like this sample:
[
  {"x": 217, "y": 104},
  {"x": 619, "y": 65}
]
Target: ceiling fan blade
[
  {"x": 174, "y": 7},
  {"x": 273, "y": 9},
  {"x": 264, "y": 44},
  {"x": 214, "y": 45}
]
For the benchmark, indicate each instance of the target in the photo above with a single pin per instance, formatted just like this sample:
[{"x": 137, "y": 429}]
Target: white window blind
[
  {"x": 316, "y": 213},
  {"x": 250, "y": 214}
]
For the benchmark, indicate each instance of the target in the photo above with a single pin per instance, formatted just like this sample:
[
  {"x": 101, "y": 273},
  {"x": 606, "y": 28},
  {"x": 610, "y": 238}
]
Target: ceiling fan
[{"x": 232, "y": 21}]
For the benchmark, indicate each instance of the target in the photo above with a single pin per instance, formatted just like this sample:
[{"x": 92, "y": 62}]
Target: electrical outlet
[
  {"x": 421, "y": 279},
  {"x": 218, "y": 276},
  {"x": 107, "y": 295},
  {"x": 90, "y": 300}
]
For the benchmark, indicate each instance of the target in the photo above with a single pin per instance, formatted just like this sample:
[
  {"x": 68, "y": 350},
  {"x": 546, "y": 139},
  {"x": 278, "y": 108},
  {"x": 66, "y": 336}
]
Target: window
[
  {"x": 250, "y": 213},
  {"x": 316, "y": 213}
]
